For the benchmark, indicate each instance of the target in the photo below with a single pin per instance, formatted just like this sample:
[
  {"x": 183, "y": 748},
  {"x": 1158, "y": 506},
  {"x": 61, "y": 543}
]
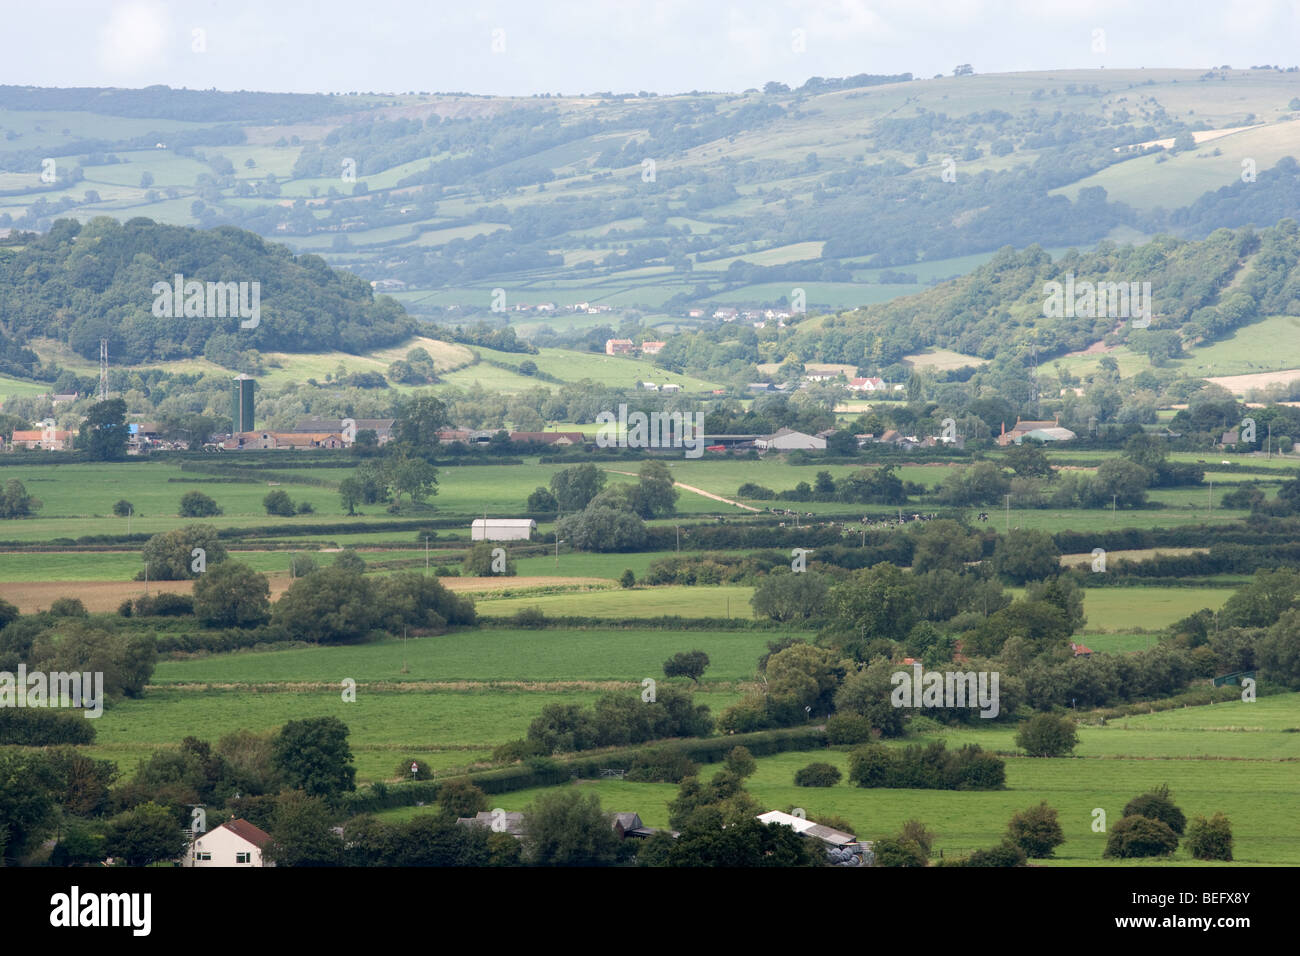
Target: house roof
[
  {"x": 504, "y": 523},
  {"x": 247, "y": 831}
]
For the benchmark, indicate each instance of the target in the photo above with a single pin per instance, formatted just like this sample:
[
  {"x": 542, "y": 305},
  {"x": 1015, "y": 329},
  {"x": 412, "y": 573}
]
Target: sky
[{"x": 505, "y": 47}]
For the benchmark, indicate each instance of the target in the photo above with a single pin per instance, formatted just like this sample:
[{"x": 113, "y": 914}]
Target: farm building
[
  {"x": 234, "y": 843},
  {"x": 619, "y": 347},
  {"x": 787, "y": 439},
  {"x": 1037, "y": 431},
  {"x": 46, "y": 436},
  {"x": 502, "y": 529},
  {"x": 829, "y": 836}
]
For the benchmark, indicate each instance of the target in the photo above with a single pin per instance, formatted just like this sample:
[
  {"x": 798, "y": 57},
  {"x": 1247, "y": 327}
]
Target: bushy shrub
[
  {"x": 529, "y": 617},
  {"x": 848, "y": 729},
  {"x": 818, "y": 775},
  {"x": 68, "y": 607},
  {"x": 1036, "y": 831},
  {"x": 661, "y": 765},
  {"x": 929, "y": 767},
  {"x": 1136, "y": 836},
  {"x": 163, "y": 604},
  {"x": 894, "y": 852},
  {"x": 1210, "y": 839},
  {"x": 195, "y": 504},
  {"x": 1047, "y": 735},
  {"x": 1004, "y": 854},
  {"x": 1157, "y": 804}
]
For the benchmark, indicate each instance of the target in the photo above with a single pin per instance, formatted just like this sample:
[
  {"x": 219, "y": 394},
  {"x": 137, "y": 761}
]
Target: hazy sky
[{"x": 574, "y": 46}]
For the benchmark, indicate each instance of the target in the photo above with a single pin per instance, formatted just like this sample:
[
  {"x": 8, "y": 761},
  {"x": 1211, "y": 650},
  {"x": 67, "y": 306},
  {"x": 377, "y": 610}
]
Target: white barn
[
  {"x": 234, "y": 843},
  {"x": 502, "y": 529}
]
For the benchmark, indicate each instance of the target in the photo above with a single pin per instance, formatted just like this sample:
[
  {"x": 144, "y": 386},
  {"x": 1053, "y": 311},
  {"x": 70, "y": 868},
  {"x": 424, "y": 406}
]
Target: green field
[{"x": 1234, "y": 758}]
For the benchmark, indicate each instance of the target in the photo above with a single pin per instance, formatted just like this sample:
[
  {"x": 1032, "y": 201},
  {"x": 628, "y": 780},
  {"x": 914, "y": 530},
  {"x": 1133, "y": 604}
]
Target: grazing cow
[{"x": 984, "y": 516}]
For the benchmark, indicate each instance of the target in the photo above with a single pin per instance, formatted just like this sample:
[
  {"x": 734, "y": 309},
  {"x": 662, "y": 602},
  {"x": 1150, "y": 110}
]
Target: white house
[
  {"x": 234, "y": 843},
  {"x": 865, "y": 385},
  {"x": 502, "y": 529}
]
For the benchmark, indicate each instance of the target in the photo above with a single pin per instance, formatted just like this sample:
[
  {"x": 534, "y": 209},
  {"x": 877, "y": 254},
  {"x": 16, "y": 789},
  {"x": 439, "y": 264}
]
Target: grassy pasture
[
  {"x": 487, "y": 655},
  {"x": 1244, "y": 767}
]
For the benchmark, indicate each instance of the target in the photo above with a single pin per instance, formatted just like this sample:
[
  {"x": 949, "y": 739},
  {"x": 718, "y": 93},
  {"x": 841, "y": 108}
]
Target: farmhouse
[
  {"x": 787, "y": 439},
  {"x": 234, "y": 843},
  {"x": 46, "y": 436},
  {"x": 652, "y": 348},
  {"x": 866, "y": 385},
  {"x": 502, "y": 529},
  {"x": 618, "y": 347}
]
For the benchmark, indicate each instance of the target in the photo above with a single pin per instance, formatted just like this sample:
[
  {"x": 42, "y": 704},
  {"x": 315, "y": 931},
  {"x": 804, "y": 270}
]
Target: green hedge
[{"x": 545, "y": 772}]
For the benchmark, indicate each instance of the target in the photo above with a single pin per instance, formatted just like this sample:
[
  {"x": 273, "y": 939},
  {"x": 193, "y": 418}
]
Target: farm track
[{"x": 694, "y": 490}]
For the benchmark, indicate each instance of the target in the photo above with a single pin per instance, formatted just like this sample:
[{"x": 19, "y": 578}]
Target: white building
[
  {"x": 787, "y": 439},
  {"x": 234, "y": 843},
  {"x": 502, "y": 529}
]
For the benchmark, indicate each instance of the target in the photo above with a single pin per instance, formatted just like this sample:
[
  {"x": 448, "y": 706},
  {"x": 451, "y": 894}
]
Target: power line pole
[{"x": 103, "y": 370}]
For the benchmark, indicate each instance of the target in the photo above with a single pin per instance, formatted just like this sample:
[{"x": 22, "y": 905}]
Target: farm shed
[{"x": 502, "y": 529}]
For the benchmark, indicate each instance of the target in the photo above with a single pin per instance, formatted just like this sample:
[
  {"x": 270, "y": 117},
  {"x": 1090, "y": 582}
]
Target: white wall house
[
  {"x": 502, "y": 529},
  {"x": 234, "y": 843}
]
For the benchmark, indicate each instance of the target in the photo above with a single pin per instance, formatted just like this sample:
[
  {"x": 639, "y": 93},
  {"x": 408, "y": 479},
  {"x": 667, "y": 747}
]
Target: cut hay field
[{"x": 725, "y": 601}]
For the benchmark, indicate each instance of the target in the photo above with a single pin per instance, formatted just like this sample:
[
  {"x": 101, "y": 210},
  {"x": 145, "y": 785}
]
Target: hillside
[
  {"x": 77, "y": 284},
  {"x": 854, "y": 190}
]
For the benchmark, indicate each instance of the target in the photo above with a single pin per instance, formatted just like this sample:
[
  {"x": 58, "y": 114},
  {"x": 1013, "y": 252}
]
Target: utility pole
[
  {"x": 129, "y": 513},
  {"x": 678, "y": 528},
  {"x": 1270, "y": 441},
  {"x": 1113, "y": 502},
  {"x": 103, "y": 370}
]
